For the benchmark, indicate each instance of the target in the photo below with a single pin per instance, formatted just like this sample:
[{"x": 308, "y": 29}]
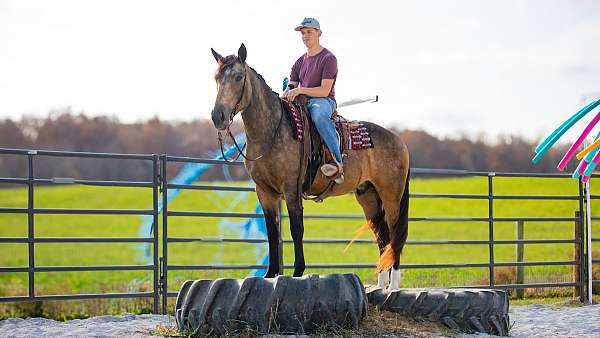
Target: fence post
[
  {"x": 155, "y": 262},
  {"x": 164, "y": 288},
  {"x": 520, "y": 256},
  {"x": 589, "y": 257},
  {"x": 580, "y": 249},
  {"x": 30, "y": 223},
  {"x": 576, "y": 256},
  {"x": 491, "y": 226}
]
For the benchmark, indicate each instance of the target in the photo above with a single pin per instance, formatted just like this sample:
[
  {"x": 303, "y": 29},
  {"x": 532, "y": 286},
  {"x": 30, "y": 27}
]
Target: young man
[{"x": 314, "y": 75}]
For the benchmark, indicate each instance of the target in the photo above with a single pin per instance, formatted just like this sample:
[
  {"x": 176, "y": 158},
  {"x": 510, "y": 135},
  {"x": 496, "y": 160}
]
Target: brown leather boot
[{"x": 333, "y": 170}]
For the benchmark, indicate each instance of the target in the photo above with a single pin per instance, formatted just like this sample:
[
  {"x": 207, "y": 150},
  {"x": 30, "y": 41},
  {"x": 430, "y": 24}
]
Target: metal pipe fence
[
  {"x": 31, "y": 181},
  {"x": 160, "y": 240}
]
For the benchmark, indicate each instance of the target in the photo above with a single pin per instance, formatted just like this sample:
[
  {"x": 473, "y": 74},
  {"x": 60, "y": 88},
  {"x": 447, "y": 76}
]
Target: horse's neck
[{"x": 263, "y": 114}]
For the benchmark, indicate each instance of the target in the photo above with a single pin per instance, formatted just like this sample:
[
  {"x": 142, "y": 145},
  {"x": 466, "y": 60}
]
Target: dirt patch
[{"x": 380, "y": 323}]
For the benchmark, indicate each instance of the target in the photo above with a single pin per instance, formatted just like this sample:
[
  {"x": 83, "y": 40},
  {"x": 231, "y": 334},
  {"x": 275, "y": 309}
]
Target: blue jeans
[{"x": 321, "y": 109}]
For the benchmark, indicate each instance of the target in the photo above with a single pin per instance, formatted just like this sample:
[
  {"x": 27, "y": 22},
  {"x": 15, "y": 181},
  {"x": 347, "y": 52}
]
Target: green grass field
[{"x": 47, "y": 254}]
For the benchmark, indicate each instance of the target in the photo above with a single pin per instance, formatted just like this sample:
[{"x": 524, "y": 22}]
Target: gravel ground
[
  {"x": 102, "y": 326},
  {"x": 529, "y": 321},
  {"x": 551, "y": 321}
]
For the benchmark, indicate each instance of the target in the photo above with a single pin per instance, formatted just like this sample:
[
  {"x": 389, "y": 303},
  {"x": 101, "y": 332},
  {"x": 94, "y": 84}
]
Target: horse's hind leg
[
  {"x": 269, "y": 202},
  {"x": 369, "y": 200},
  {"x": 395, "y": 204}
]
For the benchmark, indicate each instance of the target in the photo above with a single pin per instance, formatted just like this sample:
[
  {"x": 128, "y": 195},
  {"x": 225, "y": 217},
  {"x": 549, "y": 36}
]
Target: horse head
[{"x": 233, "y": 90}]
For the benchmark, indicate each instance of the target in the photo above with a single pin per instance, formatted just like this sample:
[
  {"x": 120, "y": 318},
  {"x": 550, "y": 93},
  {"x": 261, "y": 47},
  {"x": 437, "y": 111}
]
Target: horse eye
[{"x": 238, "y": 78}]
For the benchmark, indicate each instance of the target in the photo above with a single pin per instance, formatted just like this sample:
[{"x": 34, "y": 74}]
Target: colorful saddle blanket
[
  {"x": 359, "y": 138},
  {"x": 352, "y": 135}
]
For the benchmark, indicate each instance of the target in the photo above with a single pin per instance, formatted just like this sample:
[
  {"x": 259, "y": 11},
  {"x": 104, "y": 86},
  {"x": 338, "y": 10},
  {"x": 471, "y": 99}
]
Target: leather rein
[{"x": 231, "y": 116}]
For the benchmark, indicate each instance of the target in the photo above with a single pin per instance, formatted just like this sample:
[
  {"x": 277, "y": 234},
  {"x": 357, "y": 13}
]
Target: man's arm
[{"x": 322, "y": 91}]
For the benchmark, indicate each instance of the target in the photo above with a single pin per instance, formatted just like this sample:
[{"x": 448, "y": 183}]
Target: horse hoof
[
  {"x": 392, "y": 288},
  {"x": 395, "y": 276},
  {"x": 383, "y": 279},
  {"x": 299, "y": 269},
  {"x": 270, "y": 274}
]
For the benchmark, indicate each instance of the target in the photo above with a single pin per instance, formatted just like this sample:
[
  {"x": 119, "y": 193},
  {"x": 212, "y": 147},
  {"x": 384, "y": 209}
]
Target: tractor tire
[
  {"x": 467, "y": 310},
  {"x": 255, "y": 305}
]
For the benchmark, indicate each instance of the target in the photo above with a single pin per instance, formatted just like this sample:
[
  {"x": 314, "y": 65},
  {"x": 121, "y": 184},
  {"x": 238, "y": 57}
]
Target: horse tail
[
  {"x": 398, "y": 234},
  {"x": 368, "y": 225}
]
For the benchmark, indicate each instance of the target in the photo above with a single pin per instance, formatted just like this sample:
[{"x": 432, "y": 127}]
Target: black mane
[{"x": 231, "y": 60}]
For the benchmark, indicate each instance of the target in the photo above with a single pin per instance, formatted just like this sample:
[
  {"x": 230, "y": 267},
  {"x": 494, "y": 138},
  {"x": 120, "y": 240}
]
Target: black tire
[
  {"x": 271, "y": 305},
  {"x": 467, "y": 310}
]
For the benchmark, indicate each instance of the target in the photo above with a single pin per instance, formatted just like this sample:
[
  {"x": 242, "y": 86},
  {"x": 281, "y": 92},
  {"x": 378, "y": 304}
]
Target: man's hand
[{"x": 291, "y": 94}]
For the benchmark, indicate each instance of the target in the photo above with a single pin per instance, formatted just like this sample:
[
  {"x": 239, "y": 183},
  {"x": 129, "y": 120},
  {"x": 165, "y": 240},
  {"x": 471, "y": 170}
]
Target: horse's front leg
[
  {"x": 269, "y": 202},
  {"x": 294, "y": 206}
]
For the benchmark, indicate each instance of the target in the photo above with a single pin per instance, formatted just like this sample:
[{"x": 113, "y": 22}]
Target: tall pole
[
  {"x": 588, "y": 211},
  {"x": 588, "y": 215}
]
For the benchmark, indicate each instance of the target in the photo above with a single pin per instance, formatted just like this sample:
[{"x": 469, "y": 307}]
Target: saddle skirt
[{"x": 352, "y": 135}]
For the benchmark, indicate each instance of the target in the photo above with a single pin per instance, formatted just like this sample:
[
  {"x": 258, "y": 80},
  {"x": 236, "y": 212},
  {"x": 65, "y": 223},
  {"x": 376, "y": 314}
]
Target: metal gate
[{"x": 160, "y": 238}]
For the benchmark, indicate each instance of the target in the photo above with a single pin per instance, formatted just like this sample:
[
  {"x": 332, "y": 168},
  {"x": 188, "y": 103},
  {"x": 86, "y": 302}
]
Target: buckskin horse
[{"x": 378, "y": 176}]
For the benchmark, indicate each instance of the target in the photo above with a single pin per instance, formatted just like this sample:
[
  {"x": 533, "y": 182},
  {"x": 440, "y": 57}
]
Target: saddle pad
[
  {"x": 296, "y": 120},
  {"x": 358, "y": 134},
  {"x": 359, "y": 138}
]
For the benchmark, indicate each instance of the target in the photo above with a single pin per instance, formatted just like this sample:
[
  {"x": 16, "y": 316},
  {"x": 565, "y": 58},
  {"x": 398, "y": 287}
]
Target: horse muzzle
[{"x": 219, "y": 120}]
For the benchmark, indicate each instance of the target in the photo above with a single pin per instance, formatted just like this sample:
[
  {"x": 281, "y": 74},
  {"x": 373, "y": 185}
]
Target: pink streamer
[
  {"x": 595, "y": 161},
  {"x": 582, "y": 167},
  {"x": 596, "y": 158},
  {"x": 563, "y": 163}
]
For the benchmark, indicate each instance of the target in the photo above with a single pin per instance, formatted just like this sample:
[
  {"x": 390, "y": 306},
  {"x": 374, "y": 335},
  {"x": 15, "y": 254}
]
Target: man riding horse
[
  {"x": 314, "y": 75},
  {"x": 376, "y": 165}
]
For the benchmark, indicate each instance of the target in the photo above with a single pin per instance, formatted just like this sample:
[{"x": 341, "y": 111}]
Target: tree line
[{"x": 64, "y": 130}]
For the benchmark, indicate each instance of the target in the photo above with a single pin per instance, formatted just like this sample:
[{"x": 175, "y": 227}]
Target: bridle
[{"x": 231, "y": 116}]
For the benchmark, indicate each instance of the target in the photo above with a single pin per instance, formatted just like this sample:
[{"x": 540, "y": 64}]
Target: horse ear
[
  {"x": 242, "y": 53},
  {"x": 217, "y": 56}
]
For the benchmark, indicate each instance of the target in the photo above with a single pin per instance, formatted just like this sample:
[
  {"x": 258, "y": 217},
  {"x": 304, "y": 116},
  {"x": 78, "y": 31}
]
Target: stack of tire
[
  {"x": 283, "y": 304},
  {"x": 321, "y": 303}
]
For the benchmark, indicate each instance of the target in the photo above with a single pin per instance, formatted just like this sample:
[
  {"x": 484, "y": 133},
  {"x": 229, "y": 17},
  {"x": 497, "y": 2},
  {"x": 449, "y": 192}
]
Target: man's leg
[{"x": 321, "y": 110}]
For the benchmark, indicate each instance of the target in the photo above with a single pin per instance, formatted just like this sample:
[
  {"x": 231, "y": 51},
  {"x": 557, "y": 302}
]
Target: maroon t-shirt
[{"x": 310, "y": 70}]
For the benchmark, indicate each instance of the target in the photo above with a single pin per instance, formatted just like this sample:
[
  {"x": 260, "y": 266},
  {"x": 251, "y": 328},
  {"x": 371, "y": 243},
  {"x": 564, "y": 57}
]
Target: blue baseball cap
[{"x": 309, "y": 23}]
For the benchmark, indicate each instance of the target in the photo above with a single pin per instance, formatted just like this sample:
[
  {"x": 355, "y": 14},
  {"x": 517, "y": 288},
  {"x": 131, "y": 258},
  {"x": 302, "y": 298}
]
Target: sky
[{"x": 451, "y": 68}]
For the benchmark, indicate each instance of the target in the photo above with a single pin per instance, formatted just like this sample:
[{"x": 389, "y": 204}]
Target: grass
[
  {"x": 377, "y": 323},
  {"x": 70, "y": 254}
]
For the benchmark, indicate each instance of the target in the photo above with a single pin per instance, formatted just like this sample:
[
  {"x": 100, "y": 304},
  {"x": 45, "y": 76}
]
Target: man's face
[{"x": 310, "y": 36}]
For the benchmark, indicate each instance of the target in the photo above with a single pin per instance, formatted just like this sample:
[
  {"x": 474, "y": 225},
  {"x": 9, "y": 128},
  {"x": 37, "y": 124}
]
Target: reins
[{"x": 241, "y": 150}]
